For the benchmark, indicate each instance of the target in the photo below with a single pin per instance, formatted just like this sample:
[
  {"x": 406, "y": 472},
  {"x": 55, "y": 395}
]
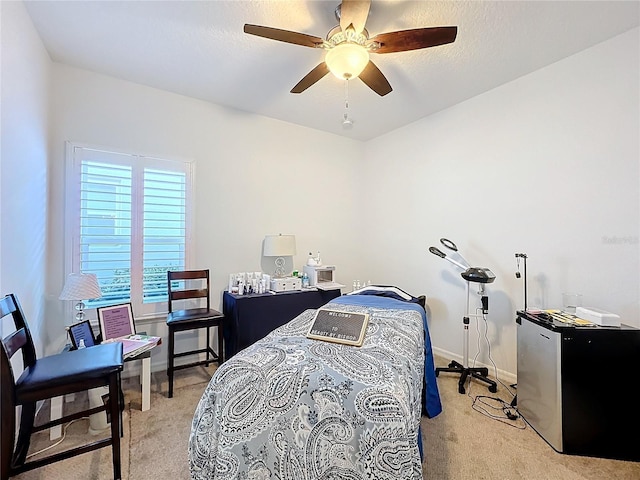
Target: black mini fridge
[{"x": 576, "y": 386}]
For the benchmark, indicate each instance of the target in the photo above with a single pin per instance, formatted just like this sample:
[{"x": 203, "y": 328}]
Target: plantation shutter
[
  {"x": 164, "y": 230},
  {"x": 106, "y": 225},
  {"x": 131, "y": 226}
]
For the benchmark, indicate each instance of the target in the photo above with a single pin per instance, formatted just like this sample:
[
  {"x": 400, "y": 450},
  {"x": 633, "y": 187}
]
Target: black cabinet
[
  {"x": 248, "y": 318},
  {"x": 576, "y": 386}
]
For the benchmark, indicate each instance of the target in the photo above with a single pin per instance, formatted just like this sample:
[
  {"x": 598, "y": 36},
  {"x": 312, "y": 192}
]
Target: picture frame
[
  {"x": 337, "y": 326},
  {"x": 81, "y": 331},
  {"x": 116, "y": 321}
]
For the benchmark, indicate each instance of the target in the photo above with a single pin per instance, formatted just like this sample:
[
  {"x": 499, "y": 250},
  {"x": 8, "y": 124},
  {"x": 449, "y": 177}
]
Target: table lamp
[
  {"x": 279, "y": 246},
  {"x": 79, "y": 287}
]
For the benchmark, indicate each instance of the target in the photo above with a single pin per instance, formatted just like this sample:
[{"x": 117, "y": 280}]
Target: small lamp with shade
[
  {"x": 279, "y": 246},
  {"x": 80, "y": 287}
]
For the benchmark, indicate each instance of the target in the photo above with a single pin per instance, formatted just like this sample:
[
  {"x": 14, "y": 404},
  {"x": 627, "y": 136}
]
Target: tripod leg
[
  {"x": 479, "y": 374},
  {"x": 454, "y": 367},
  {"x": 463, "y": 379}
]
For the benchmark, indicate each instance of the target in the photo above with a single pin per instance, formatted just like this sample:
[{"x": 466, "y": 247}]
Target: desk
[
  {"x": 575, "y": 386},
  {"x": 145, "y": 380},
  {"x": 248, "y": 318}
]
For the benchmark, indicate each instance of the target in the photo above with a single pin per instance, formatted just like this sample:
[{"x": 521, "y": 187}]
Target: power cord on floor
[
  {"x": 494, "y": 407},
  {"x": 64, "y": 435},
  {"x": 498, "y": 409}
]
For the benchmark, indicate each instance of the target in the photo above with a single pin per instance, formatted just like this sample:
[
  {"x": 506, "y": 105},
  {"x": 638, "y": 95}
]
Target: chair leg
[
  {"x": 208, "y": 353},
  {"x": 7, "y": 432},
  {"x": 170, "y": 362},
  {"x": 220, "y": 345},
  {"x": 27, "y": 419},
  {"x": 116, "y": 423}
]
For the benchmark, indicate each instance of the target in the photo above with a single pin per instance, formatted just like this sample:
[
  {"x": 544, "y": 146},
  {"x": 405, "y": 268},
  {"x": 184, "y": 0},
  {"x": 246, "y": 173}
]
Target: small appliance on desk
[{"x": 322, "y": 276}]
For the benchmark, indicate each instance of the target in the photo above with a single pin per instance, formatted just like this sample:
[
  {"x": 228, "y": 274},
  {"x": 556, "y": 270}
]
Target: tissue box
[{"x": 595, "y": 315}]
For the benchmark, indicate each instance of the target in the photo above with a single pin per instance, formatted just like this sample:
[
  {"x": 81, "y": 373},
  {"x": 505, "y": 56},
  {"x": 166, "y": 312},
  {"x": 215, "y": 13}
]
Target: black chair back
[
  {"x": 180, "y": 287},
  {"x": 18, "y": 340}
]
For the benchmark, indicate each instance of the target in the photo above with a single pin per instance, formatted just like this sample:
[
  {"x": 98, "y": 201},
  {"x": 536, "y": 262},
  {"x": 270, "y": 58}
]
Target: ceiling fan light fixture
[
  {"x": 348, "y": 46},
  {"x": 347, "y": 60}
]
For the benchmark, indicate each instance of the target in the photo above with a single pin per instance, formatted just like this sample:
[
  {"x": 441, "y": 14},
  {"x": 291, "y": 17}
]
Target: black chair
[
  {"x": 182, "y": 288},
  {"x": 48, "y": 377}
]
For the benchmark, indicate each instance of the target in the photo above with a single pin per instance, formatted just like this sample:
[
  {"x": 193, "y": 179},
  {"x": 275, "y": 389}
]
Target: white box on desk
[
  {"x": 595, "y": 315},
  {"x": 286, "y": 284}
]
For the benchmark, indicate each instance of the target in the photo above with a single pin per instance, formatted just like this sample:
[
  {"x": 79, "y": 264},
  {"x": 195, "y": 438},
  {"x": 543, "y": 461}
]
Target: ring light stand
[{"x": 471, "y": 275}]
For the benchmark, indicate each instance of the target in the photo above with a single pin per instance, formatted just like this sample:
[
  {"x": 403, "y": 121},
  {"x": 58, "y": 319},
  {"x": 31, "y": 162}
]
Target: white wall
[
  {"x": 23, "y": 165},
  {"x": 547, "y": 165},
  {"x": 254, "y": 175}
]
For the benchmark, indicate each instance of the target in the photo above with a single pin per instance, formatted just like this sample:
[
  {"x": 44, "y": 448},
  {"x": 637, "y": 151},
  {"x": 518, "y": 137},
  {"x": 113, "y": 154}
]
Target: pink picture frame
[{"x": 116, "y": 321}]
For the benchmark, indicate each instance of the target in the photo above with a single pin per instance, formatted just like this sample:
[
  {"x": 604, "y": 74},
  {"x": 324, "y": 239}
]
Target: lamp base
[
  {"x": 80, "y": 308},
  {"x": 279, "y": 271}
]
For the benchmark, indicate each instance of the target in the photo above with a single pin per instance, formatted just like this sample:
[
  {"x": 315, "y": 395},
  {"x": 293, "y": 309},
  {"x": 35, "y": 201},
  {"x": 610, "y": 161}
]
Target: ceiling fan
[{"x": 348, "y": 46}]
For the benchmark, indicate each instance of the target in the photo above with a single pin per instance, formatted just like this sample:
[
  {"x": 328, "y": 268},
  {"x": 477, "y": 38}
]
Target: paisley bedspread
[{"x": 292, "y": 408}]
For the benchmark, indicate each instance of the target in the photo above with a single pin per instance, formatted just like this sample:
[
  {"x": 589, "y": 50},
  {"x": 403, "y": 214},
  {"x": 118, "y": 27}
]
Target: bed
[{"x": 292, "y": 408}]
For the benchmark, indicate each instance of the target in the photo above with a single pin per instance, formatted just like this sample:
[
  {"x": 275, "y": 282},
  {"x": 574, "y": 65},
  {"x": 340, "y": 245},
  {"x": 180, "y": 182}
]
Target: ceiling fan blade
[
  {"x": 354, "y": 12},
  {"x": 375, "y": 80},
  {"x": 310, "y": 78},
  {"x": 283, "y": 35},
  {"x": 414, "y": 39}
]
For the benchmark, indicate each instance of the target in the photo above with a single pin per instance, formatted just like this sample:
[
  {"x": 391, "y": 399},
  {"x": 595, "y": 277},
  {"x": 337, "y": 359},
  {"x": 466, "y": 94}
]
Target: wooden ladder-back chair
[
  {"x": 48, "y": 377},
  {"x": 182, "y": 287}
]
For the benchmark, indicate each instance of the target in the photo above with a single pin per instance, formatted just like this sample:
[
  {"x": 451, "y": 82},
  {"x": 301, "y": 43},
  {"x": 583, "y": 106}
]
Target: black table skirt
[{"x": 249, "y": 318}]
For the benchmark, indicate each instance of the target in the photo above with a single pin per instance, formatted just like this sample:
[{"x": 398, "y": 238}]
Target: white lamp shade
[
  {"x": 81, "y": 286},
  {"x": 347, "y": 60},
  {"x": 279, "y": 245}
]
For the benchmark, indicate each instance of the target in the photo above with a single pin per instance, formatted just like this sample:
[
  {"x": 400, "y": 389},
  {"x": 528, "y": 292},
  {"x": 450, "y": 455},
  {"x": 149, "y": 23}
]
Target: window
[{"x": 128, "y": 216}]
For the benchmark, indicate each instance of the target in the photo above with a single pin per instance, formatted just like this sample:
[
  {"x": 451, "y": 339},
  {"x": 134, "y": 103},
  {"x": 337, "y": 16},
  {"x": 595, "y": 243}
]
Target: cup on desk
[{"x": 570, "y": 301}]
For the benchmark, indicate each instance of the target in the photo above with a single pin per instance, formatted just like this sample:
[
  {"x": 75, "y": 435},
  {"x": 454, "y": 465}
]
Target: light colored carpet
[
  {"x": 463, "y": 444},
  {"x": 460, "y": 443}
]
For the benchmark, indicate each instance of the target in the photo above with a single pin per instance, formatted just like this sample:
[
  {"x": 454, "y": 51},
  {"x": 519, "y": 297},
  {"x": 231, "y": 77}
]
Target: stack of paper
[{"x": 134, "y": 345}]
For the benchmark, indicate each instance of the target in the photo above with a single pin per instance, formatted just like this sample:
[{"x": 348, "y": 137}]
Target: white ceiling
[{"x": 198, "y": 49}]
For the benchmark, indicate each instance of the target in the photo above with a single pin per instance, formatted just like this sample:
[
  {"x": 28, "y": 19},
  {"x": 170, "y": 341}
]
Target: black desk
[{"x": 248, "y": 318}]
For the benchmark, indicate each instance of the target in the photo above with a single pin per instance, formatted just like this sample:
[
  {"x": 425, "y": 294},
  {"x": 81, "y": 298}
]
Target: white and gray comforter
[{"x": 292, "y": 408}]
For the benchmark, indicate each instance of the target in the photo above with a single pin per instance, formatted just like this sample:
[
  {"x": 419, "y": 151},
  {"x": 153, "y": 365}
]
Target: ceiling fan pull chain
[
  {"x": 346, "y": 94},
  {"x": 347, "y": 123}
]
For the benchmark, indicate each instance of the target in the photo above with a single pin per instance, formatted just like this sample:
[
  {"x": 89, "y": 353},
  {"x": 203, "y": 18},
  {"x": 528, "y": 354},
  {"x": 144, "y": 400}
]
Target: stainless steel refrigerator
[{"x": 576, "y": 386}]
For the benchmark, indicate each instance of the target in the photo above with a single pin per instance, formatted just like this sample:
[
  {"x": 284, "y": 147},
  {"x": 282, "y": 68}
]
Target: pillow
[{"x": 391, "y": 292}]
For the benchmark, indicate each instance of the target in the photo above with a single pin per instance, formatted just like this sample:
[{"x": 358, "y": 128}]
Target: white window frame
[{"x": 72, "y": 219}]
